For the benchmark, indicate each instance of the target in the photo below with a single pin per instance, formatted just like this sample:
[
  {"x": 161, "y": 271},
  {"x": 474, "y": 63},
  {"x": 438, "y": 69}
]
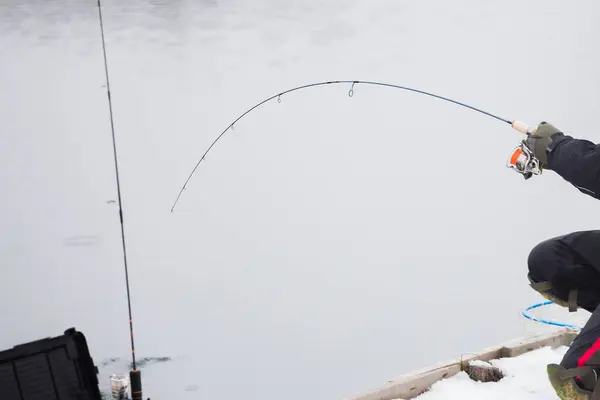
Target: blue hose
[{"x": 545, "y": 321}]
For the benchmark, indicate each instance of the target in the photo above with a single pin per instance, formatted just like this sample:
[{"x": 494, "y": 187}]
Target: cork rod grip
[{"x": 523, "y": 127}]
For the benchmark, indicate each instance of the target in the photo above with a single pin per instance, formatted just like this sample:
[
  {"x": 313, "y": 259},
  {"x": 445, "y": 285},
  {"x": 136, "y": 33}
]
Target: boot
[{"x": 566, "y": 388}]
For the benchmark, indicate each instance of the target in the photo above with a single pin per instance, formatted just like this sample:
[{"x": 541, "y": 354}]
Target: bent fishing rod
[
  {"x": 521, "y": 159},
  {"x": 134, "y": 375}
]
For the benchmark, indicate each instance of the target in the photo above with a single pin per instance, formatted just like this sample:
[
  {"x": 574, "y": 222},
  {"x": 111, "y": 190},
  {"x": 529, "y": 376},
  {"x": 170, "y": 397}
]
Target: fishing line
[
  {"x": 135, "y": 376},
  {"x": 517, "y": 125}
]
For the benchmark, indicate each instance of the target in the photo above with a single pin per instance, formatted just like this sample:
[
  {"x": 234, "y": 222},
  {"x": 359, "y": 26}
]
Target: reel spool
[{"x": 524, "y": 162}]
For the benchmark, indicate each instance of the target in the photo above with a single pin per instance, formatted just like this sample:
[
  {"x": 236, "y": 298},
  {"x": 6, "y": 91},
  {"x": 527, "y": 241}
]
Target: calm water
[{"x": 328, "y": 244}]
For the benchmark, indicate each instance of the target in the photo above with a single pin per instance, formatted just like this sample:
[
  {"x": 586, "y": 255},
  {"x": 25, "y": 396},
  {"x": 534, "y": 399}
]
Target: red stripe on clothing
[{"x": 589, "y": 352}]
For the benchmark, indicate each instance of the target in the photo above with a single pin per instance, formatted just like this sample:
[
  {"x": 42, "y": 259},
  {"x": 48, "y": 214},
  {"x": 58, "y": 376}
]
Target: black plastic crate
[{"x": 58, "y": 368}]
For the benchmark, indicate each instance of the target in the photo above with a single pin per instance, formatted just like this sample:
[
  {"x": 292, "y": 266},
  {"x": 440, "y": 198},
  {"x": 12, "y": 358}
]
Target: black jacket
[{"x": 577, "y": 161}]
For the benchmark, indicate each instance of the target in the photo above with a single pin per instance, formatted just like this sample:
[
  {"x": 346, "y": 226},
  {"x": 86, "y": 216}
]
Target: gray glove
[{"x": 539, "y": 143}]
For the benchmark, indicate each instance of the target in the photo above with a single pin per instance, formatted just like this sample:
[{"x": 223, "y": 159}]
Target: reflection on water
[{"x": 43, "y": 20}]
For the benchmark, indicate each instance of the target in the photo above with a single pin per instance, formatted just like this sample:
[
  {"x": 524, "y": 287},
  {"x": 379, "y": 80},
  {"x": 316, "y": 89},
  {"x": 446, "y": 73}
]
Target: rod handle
[
  {"x": 523, "y": 128},
  {"x": 135, "y": 378}
]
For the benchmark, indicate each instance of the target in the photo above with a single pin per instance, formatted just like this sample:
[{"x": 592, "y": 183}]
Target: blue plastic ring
[{"x": 545, "y": 321}]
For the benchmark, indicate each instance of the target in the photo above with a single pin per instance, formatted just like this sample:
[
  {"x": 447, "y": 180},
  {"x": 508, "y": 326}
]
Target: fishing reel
[{"x": 524, "y": 162}]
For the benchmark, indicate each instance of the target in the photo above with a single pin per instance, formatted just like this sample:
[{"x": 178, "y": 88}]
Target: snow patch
[
  {"x": 524, "y": 379},
  {"x": 480, "y": 363}
]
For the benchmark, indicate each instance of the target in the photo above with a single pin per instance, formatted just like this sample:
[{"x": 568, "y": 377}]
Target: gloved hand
[{"x": 540, "y": 142}]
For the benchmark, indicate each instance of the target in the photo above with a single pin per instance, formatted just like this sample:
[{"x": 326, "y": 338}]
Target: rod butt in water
[{"x": 135, "y": 377}]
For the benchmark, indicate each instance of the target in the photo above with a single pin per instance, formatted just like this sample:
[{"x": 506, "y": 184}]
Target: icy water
[{"x": 328, "y": 243}]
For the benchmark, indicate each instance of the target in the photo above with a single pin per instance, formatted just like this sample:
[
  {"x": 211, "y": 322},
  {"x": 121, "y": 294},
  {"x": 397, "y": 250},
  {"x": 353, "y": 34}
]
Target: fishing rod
[
  {"x": 521, "y": 159},
  {"x": 134, "y": 375}
]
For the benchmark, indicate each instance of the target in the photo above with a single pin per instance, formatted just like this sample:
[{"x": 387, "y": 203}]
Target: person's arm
[{"x": 577, "y": 161}]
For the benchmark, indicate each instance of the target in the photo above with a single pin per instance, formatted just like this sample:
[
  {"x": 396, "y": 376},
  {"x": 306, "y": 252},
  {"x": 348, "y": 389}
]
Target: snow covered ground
[{"x": 524, "y": 379}]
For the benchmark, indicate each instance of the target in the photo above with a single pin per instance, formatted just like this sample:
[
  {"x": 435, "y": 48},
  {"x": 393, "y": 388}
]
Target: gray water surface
[{"x": 328, "y": 243}]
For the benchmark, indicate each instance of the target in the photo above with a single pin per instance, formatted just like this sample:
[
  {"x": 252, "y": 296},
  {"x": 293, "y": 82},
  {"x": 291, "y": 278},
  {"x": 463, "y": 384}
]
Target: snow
[
  {"x": 480, "y": 363},
  {"x": 524, "y": 379}
]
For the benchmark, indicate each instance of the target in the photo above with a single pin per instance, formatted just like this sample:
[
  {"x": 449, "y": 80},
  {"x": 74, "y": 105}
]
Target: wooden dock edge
[{"x": 418, "y": 382}]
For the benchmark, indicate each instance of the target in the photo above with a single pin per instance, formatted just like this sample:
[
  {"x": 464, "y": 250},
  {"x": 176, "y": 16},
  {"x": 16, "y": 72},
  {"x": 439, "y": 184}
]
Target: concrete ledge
[
  {"x": 418, "y": 382},
  {"x": 517, "y": 347}
]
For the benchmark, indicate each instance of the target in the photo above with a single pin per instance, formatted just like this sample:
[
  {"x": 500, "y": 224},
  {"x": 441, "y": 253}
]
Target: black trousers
[{"x": 572, "y": 262}]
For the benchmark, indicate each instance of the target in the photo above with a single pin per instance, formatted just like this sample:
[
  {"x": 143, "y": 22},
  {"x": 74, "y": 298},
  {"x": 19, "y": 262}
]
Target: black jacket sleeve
[{"x": 577, "y": 161}]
